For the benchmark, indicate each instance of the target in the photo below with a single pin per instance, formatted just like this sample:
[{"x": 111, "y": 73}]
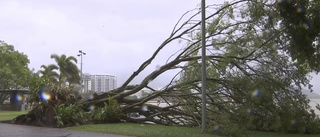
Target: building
[
  {"x": 86, "y": 83},
  {"x": 99, "y": 83},
  {"x": 17, "y": 100}
]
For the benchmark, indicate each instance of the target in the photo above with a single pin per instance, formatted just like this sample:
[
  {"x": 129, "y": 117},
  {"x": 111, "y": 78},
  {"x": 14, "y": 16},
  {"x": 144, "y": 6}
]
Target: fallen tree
[
  {"x": 249, "y": 77},
  {"x": 240, "y": 49}
]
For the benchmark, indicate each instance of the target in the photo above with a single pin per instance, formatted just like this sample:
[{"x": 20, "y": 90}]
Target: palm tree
[
  {"x": 49, "y": 72},
  {"x": 68, "y": 68}
]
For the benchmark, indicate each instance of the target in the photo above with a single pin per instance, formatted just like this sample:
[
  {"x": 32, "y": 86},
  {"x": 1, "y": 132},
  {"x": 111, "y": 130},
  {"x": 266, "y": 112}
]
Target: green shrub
[
  {"x": 110, "y": 113},
  {"x": 69, "y": 115}
]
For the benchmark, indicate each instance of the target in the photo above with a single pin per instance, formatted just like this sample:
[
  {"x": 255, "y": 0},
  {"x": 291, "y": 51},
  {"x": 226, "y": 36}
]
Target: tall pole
[
  {"x": 203, "y": 65},
  {"x": 81, "y": 73},
  {"x": 81, "y": 80}
]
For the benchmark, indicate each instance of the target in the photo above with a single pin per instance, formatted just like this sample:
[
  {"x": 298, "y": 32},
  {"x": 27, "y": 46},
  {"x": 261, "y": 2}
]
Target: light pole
[
  {"x": 81, "y": 53},
  {"x": 203, "y": 65}
]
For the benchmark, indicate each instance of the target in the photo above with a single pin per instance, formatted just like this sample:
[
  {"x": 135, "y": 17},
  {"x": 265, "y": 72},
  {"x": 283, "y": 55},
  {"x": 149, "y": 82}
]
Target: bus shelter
[{"x": 16, "y": 101}]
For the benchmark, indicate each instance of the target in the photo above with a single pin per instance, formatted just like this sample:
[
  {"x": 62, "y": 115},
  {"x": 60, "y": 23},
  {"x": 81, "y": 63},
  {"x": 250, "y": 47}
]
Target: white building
[
  {"x": 103, "y": 83},
  {"x": 86, "y": 83},
  {"x": 98, "y": 83}
]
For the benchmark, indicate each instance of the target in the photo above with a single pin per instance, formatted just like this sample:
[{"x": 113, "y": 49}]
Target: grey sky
[{"x": 117, "y": 35}]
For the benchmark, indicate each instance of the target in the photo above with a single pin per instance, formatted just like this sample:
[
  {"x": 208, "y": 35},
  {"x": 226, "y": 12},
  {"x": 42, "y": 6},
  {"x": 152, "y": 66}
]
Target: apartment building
[
  {"x": 86, "y": 78},
  {"x": 99, "y": 83}
]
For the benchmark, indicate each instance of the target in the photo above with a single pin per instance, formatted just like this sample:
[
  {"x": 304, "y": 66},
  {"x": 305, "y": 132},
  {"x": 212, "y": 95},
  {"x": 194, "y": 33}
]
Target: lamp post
[
  {"x": 203, "y": 65},
  {"x": 81, "y": 53}
]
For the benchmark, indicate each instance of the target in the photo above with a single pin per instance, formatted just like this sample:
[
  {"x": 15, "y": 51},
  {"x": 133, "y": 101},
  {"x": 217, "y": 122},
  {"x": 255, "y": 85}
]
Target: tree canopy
[
  {"x": 14, "y": 71},
  {"x": 67, "y": 67},
  {"x": 301, "y": 20},
  {"x": 48, "y": 71}
]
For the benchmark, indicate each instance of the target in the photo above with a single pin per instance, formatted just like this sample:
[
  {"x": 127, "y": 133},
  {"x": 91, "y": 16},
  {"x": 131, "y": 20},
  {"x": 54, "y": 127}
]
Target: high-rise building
[
  {"x": 86, "y": 83},
  {"x": 99, "y": 83}
]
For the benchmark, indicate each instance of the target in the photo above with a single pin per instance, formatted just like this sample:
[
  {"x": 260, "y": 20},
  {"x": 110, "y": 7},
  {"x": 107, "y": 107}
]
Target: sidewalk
[{"x": 11, "y": 130}]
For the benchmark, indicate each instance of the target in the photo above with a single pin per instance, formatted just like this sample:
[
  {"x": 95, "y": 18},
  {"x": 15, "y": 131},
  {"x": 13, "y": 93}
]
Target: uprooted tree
[{"x": 252, "y": 81}]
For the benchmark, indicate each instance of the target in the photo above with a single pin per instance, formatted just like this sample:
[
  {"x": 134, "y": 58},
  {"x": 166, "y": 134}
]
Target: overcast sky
[{"x": 117, "y": 35}]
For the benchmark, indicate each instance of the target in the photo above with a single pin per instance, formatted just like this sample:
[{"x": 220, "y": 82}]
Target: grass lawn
[
  {"x": 9, "y": 115},
  {"x": 145, "y": 130},
  {"x": 270, "y": 134},
  {"x": 142, "y": 130}
]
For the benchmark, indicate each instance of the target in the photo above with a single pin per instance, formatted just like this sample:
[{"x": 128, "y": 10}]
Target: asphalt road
[{"x": 11, "y": 130}]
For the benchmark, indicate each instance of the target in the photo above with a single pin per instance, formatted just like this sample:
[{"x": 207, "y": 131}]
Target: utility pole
[
  {"x": 81, "y": 53},
  {"x": 203, "y": 65}
]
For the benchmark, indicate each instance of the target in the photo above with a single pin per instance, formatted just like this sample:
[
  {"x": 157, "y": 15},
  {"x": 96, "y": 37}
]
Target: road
[{"x": 11, "y": 130}]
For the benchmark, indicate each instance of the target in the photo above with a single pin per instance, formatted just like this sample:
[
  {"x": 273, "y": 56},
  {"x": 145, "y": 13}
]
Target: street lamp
[
  {"x": 81, "y": 53},
  {"x": 203, "y": 65}
]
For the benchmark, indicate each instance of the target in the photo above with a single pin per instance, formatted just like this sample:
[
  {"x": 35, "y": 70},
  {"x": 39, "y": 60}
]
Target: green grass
[
  {"x": 272, "y": 134},
  {"x": 142, "y": 130},
  {"x": 146, "y": 130},
  {"x": 10, "y": 115}
]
